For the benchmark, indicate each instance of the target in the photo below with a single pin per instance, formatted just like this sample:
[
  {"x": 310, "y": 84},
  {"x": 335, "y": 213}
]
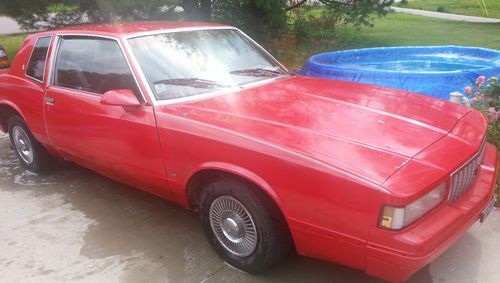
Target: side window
[
  {"x": 36, "y": 65},
  {"x": 92, "y": 64}
]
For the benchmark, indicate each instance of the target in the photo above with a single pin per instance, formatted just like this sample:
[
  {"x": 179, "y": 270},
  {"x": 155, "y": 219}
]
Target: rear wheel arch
[
  {"x": 31, "y": 154},
  {"x": 7, "y": 111}
]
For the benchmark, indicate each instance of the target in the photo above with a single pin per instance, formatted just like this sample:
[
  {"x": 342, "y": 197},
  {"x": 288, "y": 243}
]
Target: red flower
[
  {"x": 468, "y": 90},
  {"x": 480, "y": 79}
]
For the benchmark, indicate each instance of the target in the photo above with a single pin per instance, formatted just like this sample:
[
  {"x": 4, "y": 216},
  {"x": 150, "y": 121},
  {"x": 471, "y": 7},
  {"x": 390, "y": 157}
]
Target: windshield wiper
[
  {"x": 192, "y": 82},
  {"x": 258, "y": 72}
]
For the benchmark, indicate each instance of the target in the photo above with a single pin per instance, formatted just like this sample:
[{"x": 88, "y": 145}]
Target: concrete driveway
[
  {"x": 445, "y": 16},
  {"x": 9, "y": 25},
  {"x": 75, "y": 226}
]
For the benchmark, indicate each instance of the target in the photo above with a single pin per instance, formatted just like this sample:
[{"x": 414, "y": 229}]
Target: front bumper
[{"x": 396, "y": 255}]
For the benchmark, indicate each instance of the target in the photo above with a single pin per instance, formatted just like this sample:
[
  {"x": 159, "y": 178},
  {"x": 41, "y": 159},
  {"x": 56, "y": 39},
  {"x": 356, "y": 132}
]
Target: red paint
[
  {"x": 120, "y": 97},
  {"x": 329, "y": 153}
]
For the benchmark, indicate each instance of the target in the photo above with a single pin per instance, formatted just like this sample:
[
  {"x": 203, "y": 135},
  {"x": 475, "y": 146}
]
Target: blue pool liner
[{"x": 436, "y": 71}]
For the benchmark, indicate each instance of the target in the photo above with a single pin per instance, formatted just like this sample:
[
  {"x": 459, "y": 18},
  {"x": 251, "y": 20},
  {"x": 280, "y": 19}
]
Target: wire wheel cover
[
  {"x": 233, "y": 226},
  {"x": 22, "y": 144}
]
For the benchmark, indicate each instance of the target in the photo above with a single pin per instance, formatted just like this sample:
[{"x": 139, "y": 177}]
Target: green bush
[
  {"x": 485, "y": 97},
  {"x": 261, "y": 19},
  {"x": 301, "y": 29}
]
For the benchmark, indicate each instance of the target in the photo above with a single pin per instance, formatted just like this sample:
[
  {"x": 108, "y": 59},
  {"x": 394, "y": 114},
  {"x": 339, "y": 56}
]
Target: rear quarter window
[{"x": 36, "y": 64}]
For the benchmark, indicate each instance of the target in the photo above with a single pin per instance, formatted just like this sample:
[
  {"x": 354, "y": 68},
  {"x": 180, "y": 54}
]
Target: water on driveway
[{"x": 73, "y": 225}]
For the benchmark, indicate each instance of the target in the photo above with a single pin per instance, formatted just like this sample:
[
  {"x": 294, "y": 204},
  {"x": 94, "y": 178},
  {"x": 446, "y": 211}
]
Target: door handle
[{"x": 49, "y": 100}]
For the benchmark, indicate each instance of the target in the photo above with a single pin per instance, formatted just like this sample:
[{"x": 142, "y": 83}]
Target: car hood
[{"x": 367, "y": 130}]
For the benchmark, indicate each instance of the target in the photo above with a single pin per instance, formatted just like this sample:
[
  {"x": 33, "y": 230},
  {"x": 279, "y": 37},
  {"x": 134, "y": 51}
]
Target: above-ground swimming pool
[{"x": 436, "y": 71}]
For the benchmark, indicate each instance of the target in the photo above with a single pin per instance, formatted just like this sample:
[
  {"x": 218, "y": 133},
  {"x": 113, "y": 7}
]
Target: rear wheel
[
  {"x": 243, "y": 225},
  {"x": 29, "y": 151}
]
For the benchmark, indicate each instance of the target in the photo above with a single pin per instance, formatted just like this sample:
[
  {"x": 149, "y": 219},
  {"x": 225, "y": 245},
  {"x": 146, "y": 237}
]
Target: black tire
[
  {"x": 41, "y": 159},
  {"x": 273, "y": 240}
]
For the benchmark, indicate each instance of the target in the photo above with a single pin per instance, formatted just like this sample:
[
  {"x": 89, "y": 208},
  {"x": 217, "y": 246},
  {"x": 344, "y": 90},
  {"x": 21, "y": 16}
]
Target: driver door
[{"x": 118, "y": 141}]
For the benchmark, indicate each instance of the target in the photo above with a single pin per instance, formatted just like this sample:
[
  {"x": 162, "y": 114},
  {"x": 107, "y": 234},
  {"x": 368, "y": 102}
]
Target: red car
[{"x": 377, "y": 179}]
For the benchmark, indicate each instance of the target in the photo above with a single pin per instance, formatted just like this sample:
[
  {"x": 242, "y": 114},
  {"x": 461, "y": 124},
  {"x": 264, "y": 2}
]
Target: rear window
[{"x": 36, "y": 65}]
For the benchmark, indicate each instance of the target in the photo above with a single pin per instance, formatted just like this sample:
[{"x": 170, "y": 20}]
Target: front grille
[{"x": 462, "y": 179}]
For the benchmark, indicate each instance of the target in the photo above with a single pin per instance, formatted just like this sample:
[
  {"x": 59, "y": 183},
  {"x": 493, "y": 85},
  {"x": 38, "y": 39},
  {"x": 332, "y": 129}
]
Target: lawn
[
  {"x": 394, "y": 30},
  {"x": 11, "y": 43},
  {"x": 462, "y": 7}
]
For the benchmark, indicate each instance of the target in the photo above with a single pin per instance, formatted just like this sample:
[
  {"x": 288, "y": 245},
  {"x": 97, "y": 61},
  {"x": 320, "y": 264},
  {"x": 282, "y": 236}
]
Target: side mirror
[{"x": 120, "y": 97}]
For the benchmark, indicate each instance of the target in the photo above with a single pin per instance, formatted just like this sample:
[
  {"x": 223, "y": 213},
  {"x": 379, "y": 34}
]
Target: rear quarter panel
[{"x": 23, "y": 94}]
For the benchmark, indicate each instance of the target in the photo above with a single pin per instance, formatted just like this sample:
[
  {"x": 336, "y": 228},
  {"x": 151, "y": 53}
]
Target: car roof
[{"x": 130, "y": 28}]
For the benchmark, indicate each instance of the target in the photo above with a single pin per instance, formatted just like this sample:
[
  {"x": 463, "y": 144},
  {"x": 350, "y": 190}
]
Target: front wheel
[
  {"x": 243, "y": 225},
  {"x": 29, "y": 151}
]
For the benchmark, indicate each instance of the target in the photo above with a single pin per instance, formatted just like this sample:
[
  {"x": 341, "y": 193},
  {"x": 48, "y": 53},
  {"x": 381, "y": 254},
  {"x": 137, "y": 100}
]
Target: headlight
[
  {"x": 396, "y": 218},
  {"x": 2, "y": 53}
]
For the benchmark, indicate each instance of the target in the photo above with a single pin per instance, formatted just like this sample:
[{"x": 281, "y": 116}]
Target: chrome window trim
[
  {"x": 172, "y": 30},
  {"x": 46, "y": 56},
  {"x": 55, "y": 52},
  {"x": 80, "y": 91},
  {"x": 157, "y": 102}
]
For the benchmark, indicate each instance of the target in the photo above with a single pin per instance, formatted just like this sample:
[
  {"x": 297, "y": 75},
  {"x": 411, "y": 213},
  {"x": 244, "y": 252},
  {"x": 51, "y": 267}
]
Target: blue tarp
[{"x": 436, "y": 71}]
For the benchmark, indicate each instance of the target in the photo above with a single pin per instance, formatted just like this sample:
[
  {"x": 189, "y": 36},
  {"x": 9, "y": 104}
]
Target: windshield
[{"x": 187, "y": 63}]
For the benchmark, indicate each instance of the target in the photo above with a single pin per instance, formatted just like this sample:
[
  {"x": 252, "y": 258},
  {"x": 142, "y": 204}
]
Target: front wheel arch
[
  {"x": 274, "y": 240},
  {"x": 198, "y": 180}
]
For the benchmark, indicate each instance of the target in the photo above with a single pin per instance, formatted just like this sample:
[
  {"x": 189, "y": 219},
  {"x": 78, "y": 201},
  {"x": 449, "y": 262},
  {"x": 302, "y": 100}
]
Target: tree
[
  {"x": 355, "y": 12},
  {"x": 43, "y": 14},
  {"x": 260, "y": 18},
  {"x": 126, "y": 10},
  {"x": 28, "y": 13},
  {"x": 197, "y": 9}
]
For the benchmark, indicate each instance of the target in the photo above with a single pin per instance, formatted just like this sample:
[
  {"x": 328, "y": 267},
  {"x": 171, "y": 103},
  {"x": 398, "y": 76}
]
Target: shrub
[
  {"x": 484, "y": 96},
  {"x": 441, "y": 9},
  {"x": 301, "y": 29}
]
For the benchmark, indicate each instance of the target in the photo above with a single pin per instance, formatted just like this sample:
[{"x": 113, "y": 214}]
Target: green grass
[
  {"x": 402, "y": 29},
  {"x": 462, "y": 7},
  {"x": 11, "y": 43},
  {"x": 394, "y": 30},
  {"x": 61, "y": 7}
]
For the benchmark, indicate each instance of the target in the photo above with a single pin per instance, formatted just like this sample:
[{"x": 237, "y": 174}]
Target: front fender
[{"x": 241, "y": 172}]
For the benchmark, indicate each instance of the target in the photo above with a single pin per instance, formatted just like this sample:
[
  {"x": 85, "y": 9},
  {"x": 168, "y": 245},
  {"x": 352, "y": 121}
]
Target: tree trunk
[
  {"x": 206, "y": 10},
  {"x": 197, "y": 10}
]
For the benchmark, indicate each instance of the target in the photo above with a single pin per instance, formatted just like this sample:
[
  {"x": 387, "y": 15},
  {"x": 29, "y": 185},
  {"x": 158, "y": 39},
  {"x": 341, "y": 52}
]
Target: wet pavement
[{"x": 73, "y": 225}]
